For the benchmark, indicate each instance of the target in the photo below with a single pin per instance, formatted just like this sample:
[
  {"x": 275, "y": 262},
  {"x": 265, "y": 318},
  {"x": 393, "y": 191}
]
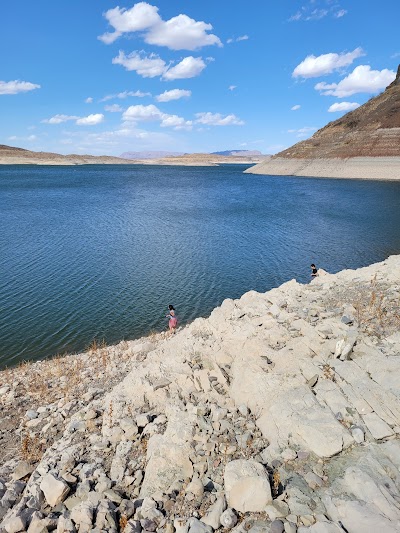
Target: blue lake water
[{"x": 98, "y": 252}]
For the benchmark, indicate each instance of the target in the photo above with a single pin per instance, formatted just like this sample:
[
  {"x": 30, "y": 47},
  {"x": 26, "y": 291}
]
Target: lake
[{"x": 98, "y": 252}]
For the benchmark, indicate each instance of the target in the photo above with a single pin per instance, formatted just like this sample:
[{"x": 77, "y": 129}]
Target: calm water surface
[{"x": 100, "y": 251}]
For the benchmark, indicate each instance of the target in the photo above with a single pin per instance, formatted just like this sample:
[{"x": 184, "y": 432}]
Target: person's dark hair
[
  {"x": 312, "y": 264},
  {"x": 171, "y": 307}
]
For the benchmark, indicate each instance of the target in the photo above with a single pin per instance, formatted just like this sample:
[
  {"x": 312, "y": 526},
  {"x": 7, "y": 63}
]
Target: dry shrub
[
  {"x": 376, "y": 314},
  {"x": 31, "y": 448}
]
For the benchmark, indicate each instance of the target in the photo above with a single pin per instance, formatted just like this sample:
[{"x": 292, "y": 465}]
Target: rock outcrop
[
  {"x": 279, "y": 412},
  {"x": 364, "y": 143}
]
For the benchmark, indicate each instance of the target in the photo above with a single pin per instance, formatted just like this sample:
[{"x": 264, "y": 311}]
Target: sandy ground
[{"x": 372, "y": 168}]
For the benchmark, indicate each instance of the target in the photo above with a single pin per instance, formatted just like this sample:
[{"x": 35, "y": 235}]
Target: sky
[{"x": 101, "y": 77}]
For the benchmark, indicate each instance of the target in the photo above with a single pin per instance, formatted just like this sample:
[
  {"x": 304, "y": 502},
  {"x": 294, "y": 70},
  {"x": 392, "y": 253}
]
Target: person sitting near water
[
  {"x": 173, "y": 321},
  {"x": 314, "y": 271}
]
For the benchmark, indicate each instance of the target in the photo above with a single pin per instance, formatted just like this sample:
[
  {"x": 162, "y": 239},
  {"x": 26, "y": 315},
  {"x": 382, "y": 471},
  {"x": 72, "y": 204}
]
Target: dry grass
[
  {"x": 31, "y": 448},
  {"x": 375, "y": 313}
]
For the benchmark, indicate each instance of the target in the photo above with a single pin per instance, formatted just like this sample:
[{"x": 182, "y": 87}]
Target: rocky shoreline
[
  {"x": 278, "y": 413},
  {"x": 366, "y": 168}
]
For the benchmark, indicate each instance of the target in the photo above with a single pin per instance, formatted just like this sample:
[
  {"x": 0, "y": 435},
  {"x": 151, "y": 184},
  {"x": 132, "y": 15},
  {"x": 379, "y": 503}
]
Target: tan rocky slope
[
  {"x": 280, "y": 412},
  {"x": 372, "y": 131}
]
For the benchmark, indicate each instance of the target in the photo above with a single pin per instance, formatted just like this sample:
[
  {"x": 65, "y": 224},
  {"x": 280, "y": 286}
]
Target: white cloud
[
  {"x": 361, "y": 80},
  {"x": 295, "y": 107},
  {"x": 238, "y": 39},
  {"x": 216, "y": 119},
  {"x": 189, "y": 67},
  {"x": 315, "y": 14},
  {"x": 113, "y": 108},
  {"x": 140, "y": 17},
  {"x": 343, "y": 106},
  {"x": 314, "y": 66},
  {"x": 146, "y": 66},
  {"x": 58, "y": 119},
  {"x": 173, "y": 94},
  {"x": 151, "y": 113},
  {"x": 16, "y": 86},
  {"x": 142, "y": 113},
  {"x": 178, "y": 33},
  {"x": 178, "y": 123},
  {"x": 304, "y": 132},
  {"x": 89, "y": 100},
  {"x": 30, "y": 138},
  {"x": 317, "y": 10},
  {"x": 182, "y": 33},
  {"x": 124, "y": 94},
  {"x": 90, "y": 120},
  {"x": 232, "y": 87}
]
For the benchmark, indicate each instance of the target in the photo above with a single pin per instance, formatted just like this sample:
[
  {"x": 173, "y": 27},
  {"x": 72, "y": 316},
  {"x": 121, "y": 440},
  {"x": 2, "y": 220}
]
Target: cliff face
[{"x": 372, "y": 130}]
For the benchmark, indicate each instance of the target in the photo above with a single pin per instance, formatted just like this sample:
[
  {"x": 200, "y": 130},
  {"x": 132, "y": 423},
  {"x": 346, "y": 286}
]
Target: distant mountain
[
  {"x": 237, "y": 152},
  {"x": 150, "y": 155}
]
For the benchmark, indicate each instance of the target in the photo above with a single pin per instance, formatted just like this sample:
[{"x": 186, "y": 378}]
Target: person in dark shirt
[{"x": 314, "y": 271}]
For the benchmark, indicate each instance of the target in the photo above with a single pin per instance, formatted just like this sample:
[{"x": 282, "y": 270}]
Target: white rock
[
  {"x": 378, "y": 428},
  {"x": 357, "y": 434},
  {"x": 196, "y": 488},
  {"x": 214, "y": 513},
  {"x": 247, "y": 486},
  {"x": 54, "y": 490},
  {"x": 228, "y": 519}
]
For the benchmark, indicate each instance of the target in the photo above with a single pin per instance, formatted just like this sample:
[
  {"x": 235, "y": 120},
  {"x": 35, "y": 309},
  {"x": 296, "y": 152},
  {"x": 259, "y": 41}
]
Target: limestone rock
[
  {"x": 247, "y": 486},
  {"x": 54, "y": 490}
]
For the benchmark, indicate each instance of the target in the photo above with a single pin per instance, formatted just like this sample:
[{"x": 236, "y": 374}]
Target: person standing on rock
[
  {"x": 314, "y": 271},
  {"x": 173, "y": 321}
]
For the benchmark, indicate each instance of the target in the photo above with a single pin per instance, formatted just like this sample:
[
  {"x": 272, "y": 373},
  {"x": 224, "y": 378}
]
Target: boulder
[
  {"x": 55, "y": 491},
  {"x": 247, "y": 486}
]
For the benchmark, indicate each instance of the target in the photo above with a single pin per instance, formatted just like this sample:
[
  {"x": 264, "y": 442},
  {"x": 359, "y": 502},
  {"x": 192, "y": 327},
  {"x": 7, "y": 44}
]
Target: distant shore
[{"x": 371, "y": 168}]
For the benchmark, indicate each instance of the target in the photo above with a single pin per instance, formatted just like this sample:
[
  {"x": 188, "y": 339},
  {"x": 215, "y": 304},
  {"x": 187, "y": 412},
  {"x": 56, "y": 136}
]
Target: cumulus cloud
[
  {"x": 138, "y": 18},
  {"x": 182, "y": 33},
  {"x": 124, "y": 94},
  {"x": 16, "y": 86},
  {"x": 315, "y": 66},
  {"x": 113, "y": 108},
  {"x": 146, "y": 66},
  {"x": 151, "y": 113},
  {"x": 89, "y": 100},
  {"x": 142, "y": 113},
  {"x": 175, "y": 122},
  {"x": 295, "y": 107},
  {"x": 90, "y": 120},
  {"x": 173, "y": 94},
  {"x": 216, "y": 119},
  {"x": 361, "y": 80},
  {"x": 343, "y": 106},
  {"x": 178, "y": 33},
  {"x": 189, "y": 67},
  {"x": 58, "y": 119}
]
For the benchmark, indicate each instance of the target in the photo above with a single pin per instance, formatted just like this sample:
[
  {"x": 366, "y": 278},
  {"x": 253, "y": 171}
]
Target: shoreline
[
  {"x": 365, "y": 168},
  {"x": 279, "y": 408}
]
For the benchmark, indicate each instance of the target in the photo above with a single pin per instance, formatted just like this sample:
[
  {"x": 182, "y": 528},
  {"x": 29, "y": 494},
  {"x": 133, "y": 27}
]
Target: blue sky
[{"x": 103, "y": 77}]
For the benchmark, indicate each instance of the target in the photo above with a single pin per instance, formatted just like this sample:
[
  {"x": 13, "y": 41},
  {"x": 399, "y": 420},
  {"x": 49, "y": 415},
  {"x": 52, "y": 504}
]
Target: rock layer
[
  {"x": 364, "y": 143},
  {"x": 280, "y": 412}
]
